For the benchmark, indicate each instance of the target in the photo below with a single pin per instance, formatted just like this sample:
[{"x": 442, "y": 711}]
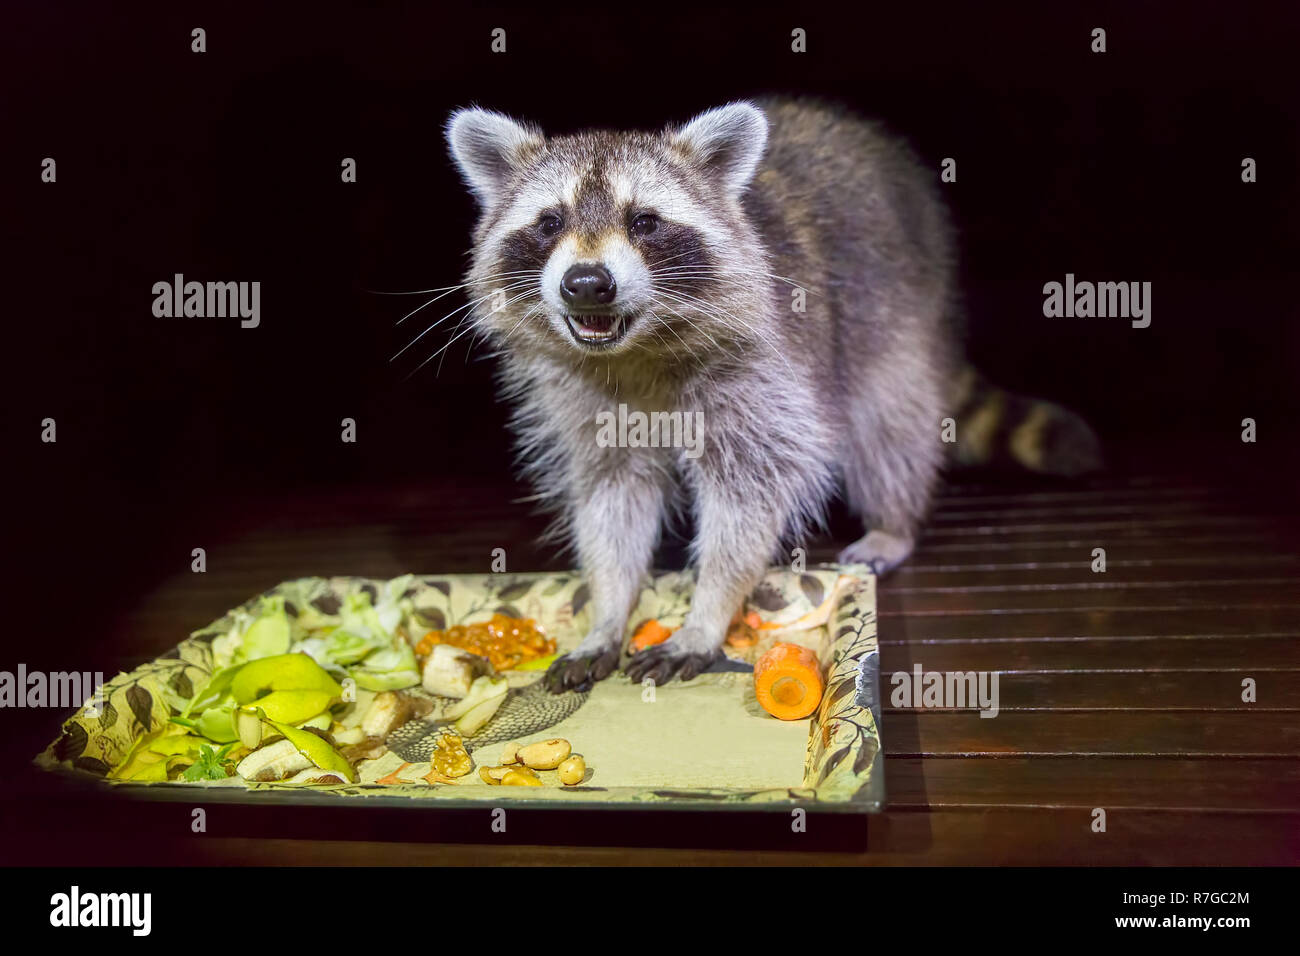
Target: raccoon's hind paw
[
  {"x": 879, "y": 550},
  {"x": 578, "y": 670},
  {"x": 684, "y": 657}
]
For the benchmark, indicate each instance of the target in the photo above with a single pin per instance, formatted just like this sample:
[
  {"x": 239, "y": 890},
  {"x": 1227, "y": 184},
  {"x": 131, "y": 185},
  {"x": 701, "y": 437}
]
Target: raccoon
[{"x": 780, "y": 269}]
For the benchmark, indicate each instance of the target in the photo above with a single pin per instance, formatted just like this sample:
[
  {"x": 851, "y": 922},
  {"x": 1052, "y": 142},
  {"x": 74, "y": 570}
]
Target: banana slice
[{"x": 274, "y": 762}]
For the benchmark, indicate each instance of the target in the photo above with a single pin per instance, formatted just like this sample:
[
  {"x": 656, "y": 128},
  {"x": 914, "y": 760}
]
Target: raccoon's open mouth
[{"x": 597, "y": 330}]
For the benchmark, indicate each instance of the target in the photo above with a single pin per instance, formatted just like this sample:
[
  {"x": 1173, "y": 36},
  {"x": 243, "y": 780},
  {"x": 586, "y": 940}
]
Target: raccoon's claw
[
  {"x": 662, "y": 661},
  {"x": 577, "y": 671}
]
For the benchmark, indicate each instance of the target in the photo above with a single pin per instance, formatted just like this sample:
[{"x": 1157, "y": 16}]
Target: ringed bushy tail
[{"x": 998, "y": 429}]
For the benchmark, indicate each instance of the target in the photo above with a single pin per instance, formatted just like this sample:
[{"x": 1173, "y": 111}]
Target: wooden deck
[{"x": 1119, "y": 690}]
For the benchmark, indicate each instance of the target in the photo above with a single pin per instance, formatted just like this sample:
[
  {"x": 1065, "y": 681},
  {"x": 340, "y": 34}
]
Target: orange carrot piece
[
  {"x": 741, "y": 634},
  {"x": 649, "y": 634},
  {"x": 788, "y": 681}
]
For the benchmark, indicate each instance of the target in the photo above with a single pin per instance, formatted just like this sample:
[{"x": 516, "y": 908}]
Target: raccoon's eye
[
  {"x": 549, "y": 224},
  {"x": 644, "y": 224}
]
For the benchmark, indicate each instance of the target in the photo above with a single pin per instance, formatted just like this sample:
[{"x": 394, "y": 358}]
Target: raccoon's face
[{"x": 608, "y": 242}]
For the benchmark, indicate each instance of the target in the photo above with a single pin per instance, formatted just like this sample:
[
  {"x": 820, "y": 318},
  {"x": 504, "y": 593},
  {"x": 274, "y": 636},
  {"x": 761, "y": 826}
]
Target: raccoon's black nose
[{"x": 587, "y": 285}]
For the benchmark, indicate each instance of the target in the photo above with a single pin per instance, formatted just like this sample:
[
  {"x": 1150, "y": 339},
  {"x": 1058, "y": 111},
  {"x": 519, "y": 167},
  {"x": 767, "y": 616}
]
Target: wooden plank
[
  {"x": 1187, "y": 690},
  {"x": 1140, "y": 511},
  {"x": 1114, "y": 783},
  {"x": 1237, "y": 593},
  {"x": 958, "y": 484},
  {"x": 1240, "y": 653},
  {"x": 1152, "y": 622},
  {"x": 911, "y": 577},
  {"x": 1214, "y": 551},
  {"x": 1139, "y": 733},
  {"x": 1137, "y": 527},
  {"x": 1158, "y": 581},
  {"x": 1049, "y": 495},
  {"x": 1146, "y": 545}
]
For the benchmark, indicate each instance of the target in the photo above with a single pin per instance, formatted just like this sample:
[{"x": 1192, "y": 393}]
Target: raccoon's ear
[
  {"x": 728, "y": 142},
  {"x": 488, "y": 147}
]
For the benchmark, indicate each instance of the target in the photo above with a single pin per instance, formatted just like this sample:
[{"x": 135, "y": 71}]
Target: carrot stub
[
  {"x": 649, "y": 634},
  {"x": 788, "y": 681},
  {"x": 740, "y": 632}
]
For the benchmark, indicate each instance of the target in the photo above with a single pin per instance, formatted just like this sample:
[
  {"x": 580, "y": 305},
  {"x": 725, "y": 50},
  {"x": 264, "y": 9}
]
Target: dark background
[{"x": 225, "y": 166}]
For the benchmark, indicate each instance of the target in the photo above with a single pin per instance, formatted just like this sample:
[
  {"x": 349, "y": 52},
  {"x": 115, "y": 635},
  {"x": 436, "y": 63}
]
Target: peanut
[
  {"x": 545, "y": 755},
  {"x": 573, "y": 770}
]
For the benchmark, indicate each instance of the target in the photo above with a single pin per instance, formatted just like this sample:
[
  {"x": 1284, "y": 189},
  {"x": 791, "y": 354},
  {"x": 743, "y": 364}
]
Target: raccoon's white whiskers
[
  {"x": 788, "y": 281},
  {"x": 641, "y": 347},
  {"x": 650, "y": 316},
  {"x": 463, "y": 285},
  {"x": 472, "y": 331},
  {"x": 532, "y": 310},
  {"x": 705, "y": 272},
  {"x": 698, "y": 361},
  {"x": 685, "y": 318},
  {"x": 467, "y": 305},
  {"x": 456, "y": 336},
  {"x": 425, "y": 306},
  {"x": 530, "y": 273},
  {"x": 447, "y": 316},
  {"x": 708, "y": 308},
  {"x": 686, "y": 252},
  {"x": 480, "y": 335},
  {"x": 712, "y": 277}
]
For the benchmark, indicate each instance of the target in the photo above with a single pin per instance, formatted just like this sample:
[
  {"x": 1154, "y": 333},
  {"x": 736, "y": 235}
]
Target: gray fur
[{"x": 854, "y": 389}]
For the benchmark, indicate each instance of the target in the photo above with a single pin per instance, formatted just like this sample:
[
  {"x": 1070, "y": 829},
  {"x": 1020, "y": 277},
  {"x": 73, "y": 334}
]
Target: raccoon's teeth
[{"x": 594, "y": 326}]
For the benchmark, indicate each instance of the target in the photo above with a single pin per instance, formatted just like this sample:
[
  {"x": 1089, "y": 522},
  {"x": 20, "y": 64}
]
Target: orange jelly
[{"x": 506, "y": 641}]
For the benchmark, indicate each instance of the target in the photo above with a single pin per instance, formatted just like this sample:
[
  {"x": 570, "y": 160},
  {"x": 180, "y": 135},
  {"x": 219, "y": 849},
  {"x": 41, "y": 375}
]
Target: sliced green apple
[
  {"x": 282, "y": 672},
  {"x": 320, "y": 722},
  {"x": 294, "y": 706},
  {"x": 217, "y": 724}
]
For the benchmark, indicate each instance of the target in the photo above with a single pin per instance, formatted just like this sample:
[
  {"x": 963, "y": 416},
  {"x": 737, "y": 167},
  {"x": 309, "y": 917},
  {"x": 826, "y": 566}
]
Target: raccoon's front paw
[
  {"x": 687, "y": 653},
  {"x": 578, "y": 669}
]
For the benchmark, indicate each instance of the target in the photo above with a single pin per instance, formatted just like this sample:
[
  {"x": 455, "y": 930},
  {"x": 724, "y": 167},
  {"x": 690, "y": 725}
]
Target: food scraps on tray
[{"x": 275, "y": 707}]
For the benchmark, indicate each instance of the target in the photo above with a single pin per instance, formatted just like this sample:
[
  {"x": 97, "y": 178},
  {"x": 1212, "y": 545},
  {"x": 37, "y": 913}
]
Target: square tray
[{"x": 702, "y": 744}]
